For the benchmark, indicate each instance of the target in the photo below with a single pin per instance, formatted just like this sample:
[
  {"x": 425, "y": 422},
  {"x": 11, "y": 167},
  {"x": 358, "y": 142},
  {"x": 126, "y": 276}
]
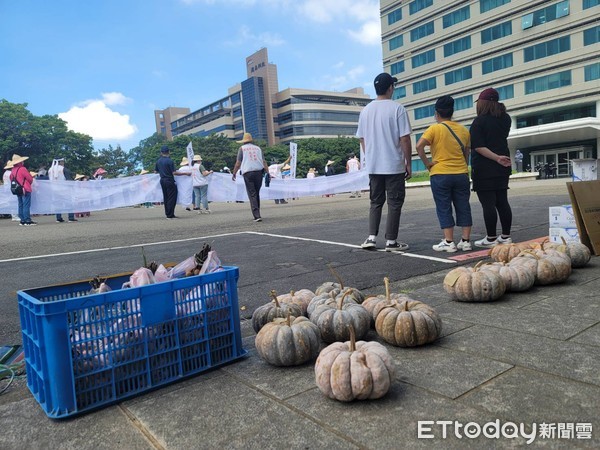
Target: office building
[
  {"x": 256, "y": 105},
  {"x": 164, "y": 117},
  {"x": 543, "y": 57}
]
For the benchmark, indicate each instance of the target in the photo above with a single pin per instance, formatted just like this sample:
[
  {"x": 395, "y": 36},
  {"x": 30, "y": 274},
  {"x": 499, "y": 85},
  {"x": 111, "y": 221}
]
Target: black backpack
[{"x": 15, "y": 187}]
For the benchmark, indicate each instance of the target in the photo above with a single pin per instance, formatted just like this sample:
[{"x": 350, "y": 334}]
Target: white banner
[
  {"x": 52, "y": 197},
  {"x": 190, "y": 153},
  {"x": 294, "y": 156}
]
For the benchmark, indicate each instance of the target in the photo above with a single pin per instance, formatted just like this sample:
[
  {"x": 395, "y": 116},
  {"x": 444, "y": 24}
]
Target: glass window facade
[
  {"x": 457, "y": 16},
  {"x": 506, "y": 92},
  {"x": 548, "y": 48},
  {"x": 591, "y": 35},
  {"x": 464, "y": 73},
  {"x": 423, "y": 58},
  {"x": 548, "y": 82},
  {"x": 590, "y": 3},
  {"x": 424, "y": 85},
  {"x": 417, "y": 5},
  {"x": 394, "y": 16},
  {"x": 496, "y": 32},
  {"x": 592, "y": 72},
  {"x": 397, "y": 67},
  {"x": 399, "y": 92},
  {"x": 465, "y": 102},
  {"x": 497, "y": 63},
  {"x": 487, "y": 5},
  {"x": 396, "y": 42},
  {"x": 460, "y": 45},
  {"x": 421, "y": 32},
  {"x": 235, "y": 98},
  {"x": 545, "y": 15},
  {"x": 254, "y": 107},
  {"x": 424, "y": 112},
  {"x": 578, "y": 112}
]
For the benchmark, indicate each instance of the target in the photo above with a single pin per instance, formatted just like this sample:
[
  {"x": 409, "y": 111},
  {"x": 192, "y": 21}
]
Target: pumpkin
[
  {"x": 374, "y": 304},
  {"x": 470, "y": 284},
  {"x": 506, "y": 252},
  {"x": 338, "y": 288},
  {"x": 301, "y": 298},
  {"x": 518, "y": 278},
  {"x": 347, "y": 371},
  {"x": 288, "y": 342},
  {"x": 328, "y": 298},
  {"x": 552, "y": 267},
  {"x": 408, "y": 323},
  {"x": 580, "y": 254},
  {"x": 266, "y": 313},
  {"x": 334, "y": 316}
]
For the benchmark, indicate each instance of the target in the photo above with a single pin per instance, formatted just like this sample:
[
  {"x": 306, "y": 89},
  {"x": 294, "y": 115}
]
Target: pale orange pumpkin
[
  {"x": 374, "y": 304},
  {"x": 470, "y": 284},
  {"x": 266, "y": 313}
]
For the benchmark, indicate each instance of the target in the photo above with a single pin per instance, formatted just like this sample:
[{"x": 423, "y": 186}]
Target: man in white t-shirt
[
  {"x": 275, "y": 173},
  {"x": 353, "y": 165},
  {"x": 251, "y": 162},
  {"x": 384, "y": 133}
]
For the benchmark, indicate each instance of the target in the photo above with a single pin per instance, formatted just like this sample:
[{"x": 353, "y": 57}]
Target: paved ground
[{"x": 528, "y": 358}]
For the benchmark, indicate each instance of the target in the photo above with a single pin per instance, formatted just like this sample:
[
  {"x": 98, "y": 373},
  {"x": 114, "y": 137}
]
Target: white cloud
[
  {"x": 346, "y": 80},
  {"x": 369, "y": 33},
  {"x": 264, "y": 39},
  {"x": 95, "y": 118}
]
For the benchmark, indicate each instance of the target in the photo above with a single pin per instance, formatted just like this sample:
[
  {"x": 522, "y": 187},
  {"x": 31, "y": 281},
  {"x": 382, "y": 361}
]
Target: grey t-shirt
[{"x": 381, "y": 124}]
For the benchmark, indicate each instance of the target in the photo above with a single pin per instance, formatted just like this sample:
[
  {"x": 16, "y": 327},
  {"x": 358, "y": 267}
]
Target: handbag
[{"x": 15, "y": 187}]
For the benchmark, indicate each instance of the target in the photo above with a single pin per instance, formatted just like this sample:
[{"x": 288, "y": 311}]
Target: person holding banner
[
  {"x": 353, "y": 165},
  {"x": 252, "y": 163},
  {"x": 166, "y": 169},
  {"x": 200, "y": 183},
  {"x": 275, "y": 173}
]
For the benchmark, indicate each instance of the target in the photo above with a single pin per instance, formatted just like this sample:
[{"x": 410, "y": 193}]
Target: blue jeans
[
  {"x": 24, "y": 207},
  {"x": 201, "y": 196},
  {"x": 451, "y": 190}
]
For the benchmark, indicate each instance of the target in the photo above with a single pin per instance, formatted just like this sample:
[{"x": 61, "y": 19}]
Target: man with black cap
[
  {"x": 449, "y": 144},
  {"x": 166, "y": 169},
  {"x": 384, "y": 133}
]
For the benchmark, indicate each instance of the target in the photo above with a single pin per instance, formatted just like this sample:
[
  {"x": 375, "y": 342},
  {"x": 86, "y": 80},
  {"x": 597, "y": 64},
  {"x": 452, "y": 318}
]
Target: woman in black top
[{"x": 491, "y": 166}]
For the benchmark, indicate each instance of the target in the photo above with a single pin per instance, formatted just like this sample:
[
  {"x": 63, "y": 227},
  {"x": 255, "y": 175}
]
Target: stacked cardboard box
[{"x": 562, "y": 224}]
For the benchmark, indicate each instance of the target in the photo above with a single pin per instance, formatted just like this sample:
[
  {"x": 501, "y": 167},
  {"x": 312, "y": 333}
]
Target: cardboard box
[
  {"x": 568, "y": 234},
  {"x": 562, "y": 217},
  {"x": 585, "y": 198}
]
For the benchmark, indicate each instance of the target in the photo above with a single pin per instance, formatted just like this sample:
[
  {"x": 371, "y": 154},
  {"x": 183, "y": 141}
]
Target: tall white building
[{"x": 542, "y": 56}]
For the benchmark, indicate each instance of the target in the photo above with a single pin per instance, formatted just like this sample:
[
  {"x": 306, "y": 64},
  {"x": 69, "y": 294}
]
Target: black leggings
[{"x": 494, "y": 204}]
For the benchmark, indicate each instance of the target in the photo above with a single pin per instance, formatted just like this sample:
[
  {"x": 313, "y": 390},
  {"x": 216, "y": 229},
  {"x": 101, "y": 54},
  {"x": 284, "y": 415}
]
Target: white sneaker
[
  {"x": 444, "y": 246},
  {"x": 486, "y": 243},
  {"x": 501, "y": 240},
  {"x": 465, "y": 246}
]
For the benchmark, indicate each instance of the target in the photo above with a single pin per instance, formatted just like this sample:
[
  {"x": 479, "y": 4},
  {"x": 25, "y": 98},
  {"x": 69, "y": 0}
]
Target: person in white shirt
[
  {"x": 275, "y": 173},
  {"x": 6, "y": 182},
  {"x": 353, "y": 165},
  {"x": 384, "y": 133},
  {"x": 251, "y": 162},
  {"x": 200, "y": 183}
]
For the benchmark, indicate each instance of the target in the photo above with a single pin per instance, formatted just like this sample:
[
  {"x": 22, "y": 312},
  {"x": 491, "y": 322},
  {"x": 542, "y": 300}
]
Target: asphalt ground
[{"x": 291, "y": 249}]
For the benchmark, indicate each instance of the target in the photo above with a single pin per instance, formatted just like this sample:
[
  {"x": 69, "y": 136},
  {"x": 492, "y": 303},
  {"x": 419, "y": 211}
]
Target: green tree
[{"x": 115, "y": 161}]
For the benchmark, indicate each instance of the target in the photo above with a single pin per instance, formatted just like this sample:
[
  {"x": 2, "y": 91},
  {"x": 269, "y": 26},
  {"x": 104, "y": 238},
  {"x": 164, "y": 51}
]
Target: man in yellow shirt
[{"x": 449, "y": 144}]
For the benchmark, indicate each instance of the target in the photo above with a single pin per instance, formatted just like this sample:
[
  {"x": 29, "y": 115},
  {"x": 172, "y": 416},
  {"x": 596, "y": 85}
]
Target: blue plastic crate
[{"x": 86, "y": 351}]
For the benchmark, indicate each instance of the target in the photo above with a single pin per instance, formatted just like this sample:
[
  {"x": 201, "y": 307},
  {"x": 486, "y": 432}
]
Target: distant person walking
[
  {"x": 449, "y": 174},
  {"x": 21, "y": 175},
  {"x": 200, "y": 182},
  {"x": 491, "y": 166},
  {"x": 58, "y": 172},
  {"x": 384, "y": 133},
  {"x": 166, "y": 169},
  {"x": 252, "y": 164},
  {"x": 353, "y": 165}
]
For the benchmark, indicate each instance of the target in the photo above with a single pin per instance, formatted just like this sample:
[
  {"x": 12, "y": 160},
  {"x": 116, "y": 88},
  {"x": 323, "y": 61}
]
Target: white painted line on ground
[
  {"x": 410, "y": 255},
  {"x": 95, "y": 250}
]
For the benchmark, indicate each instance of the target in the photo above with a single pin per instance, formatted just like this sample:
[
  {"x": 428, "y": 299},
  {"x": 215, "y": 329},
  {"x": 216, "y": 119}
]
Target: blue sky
[{"x": 105, "y": 65}]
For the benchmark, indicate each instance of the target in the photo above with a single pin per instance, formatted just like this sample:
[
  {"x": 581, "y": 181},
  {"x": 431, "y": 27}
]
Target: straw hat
[
  {"x": 8, "y": 165},
  {"x": 286, "y": 167},
  {"x": 16, "y": 159},
  {"x": 312, "y": 170},
  {"x": 329, "y": 162},
  {"x": 32, "y": 173},
  {"x": 184, "y": 161},
  {"x": 197, "y": 158},
  {"x": 144, "y": 172},
  {"x": 79, "y": 177},
  {"x": 247, "y": 138}
]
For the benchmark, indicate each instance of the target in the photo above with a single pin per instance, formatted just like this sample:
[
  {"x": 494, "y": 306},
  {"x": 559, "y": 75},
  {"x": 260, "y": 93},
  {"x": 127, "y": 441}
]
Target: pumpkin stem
[
  {"x": 288, "y": 321},
  {"x": 336, "y": 275},
  {"x": 386, "y": 281},
  {"x": 405, "y": 306},
  {"x": 273, "y": 295},
  {"x": 480, "y": 263},
  {"x": 352, "y": 338},
  {"x": 292, "y": 292},
  {"x": 341, "y": 303},
  {"x": 564, "y": 241}
]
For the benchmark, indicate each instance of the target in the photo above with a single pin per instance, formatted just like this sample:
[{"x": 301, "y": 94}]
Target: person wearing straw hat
[
  {"x": 329, "y": 169},
  {"x": 184, "y": 167},
  {"x": 58, "y": 172},
  {"x": 165, "y": 167},
  {"x": 21, "y": 175},
  {"x": 6, "y": 182},
  {"x": 200, "y": 183},
  {"x": 312, "y": 172},
  {"x": 353, "y": 165},
  {"x": 252, "y": 164},
  {"x": 275, "y": 172}
]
